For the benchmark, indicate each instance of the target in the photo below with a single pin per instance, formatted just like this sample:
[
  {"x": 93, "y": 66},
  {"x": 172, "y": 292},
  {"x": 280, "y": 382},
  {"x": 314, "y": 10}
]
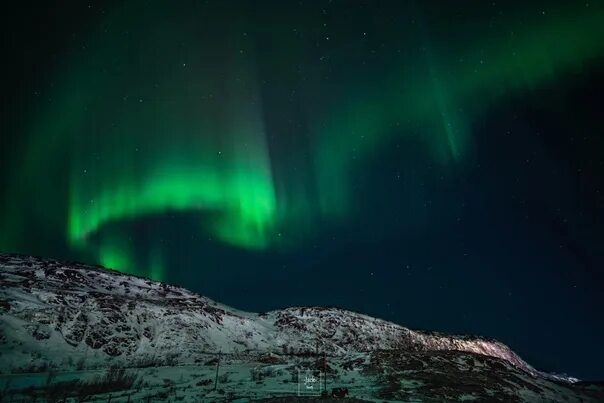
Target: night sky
[{"x": 436, "y": 164}]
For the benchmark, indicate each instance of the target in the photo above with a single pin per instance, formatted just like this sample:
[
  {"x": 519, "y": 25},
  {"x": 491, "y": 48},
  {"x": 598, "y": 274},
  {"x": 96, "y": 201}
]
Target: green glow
[
  {"x": 441, "y": 91},
  {"x": 114, "y": 257},
  {"x": 157, "y": 115},
  {"x": 247, "y": 201},
  {"x": 156, "y": 267}
]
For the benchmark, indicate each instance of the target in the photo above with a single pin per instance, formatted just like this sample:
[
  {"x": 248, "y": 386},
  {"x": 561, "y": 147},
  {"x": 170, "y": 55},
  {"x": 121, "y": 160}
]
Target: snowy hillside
[
  {"x": 70, "y": 316},
  {"x": 92, "y": 312}
]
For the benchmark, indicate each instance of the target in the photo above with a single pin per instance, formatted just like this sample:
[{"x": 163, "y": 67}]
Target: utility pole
[
  {"x": 324, "y": 371},
  {"x": 217, "y": 367}
]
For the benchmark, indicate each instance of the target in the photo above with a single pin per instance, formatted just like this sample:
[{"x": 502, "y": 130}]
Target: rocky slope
[{"x": 71, "y": 316}]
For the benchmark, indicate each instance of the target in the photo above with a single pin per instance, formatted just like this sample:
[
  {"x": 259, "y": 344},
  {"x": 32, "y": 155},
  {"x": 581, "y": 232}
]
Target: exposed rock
[{"x": 65, "y": 315}]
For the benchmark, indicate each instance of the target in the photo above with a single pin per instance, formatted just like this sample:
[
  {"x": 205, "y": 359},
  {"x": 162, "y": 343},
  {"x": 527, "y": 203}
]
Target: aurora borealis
[{"x": 185, "y": 141}]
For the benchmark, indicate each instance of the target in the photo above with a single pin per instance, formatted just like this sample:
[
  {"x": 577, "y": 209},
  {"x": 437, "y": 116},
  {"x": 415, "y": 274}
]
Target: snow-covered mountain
[
  {"x": 73, "y": 316},
  {"x": 52, "y": 306}
]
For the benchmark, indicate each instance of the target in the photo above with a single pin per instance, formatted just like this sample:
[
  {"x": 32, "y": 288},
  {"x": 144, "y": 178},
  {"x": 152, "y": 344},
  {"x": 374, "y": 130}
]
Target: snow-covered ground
[{"x": 76, "y": 321}]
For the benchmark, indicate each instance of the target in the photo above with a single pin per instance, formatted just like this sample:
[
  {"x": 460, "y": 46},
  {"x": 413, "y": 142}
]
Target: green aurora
[{"x": 146, "y": 122}]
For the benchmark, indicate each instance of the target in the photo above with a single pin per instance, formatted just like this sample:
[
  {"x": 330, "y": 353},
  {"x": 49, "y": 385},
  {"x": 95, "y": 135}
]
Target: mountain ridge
[
  {"x": 79, "y": 319},
  {"x": 337, "y": 327}
]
